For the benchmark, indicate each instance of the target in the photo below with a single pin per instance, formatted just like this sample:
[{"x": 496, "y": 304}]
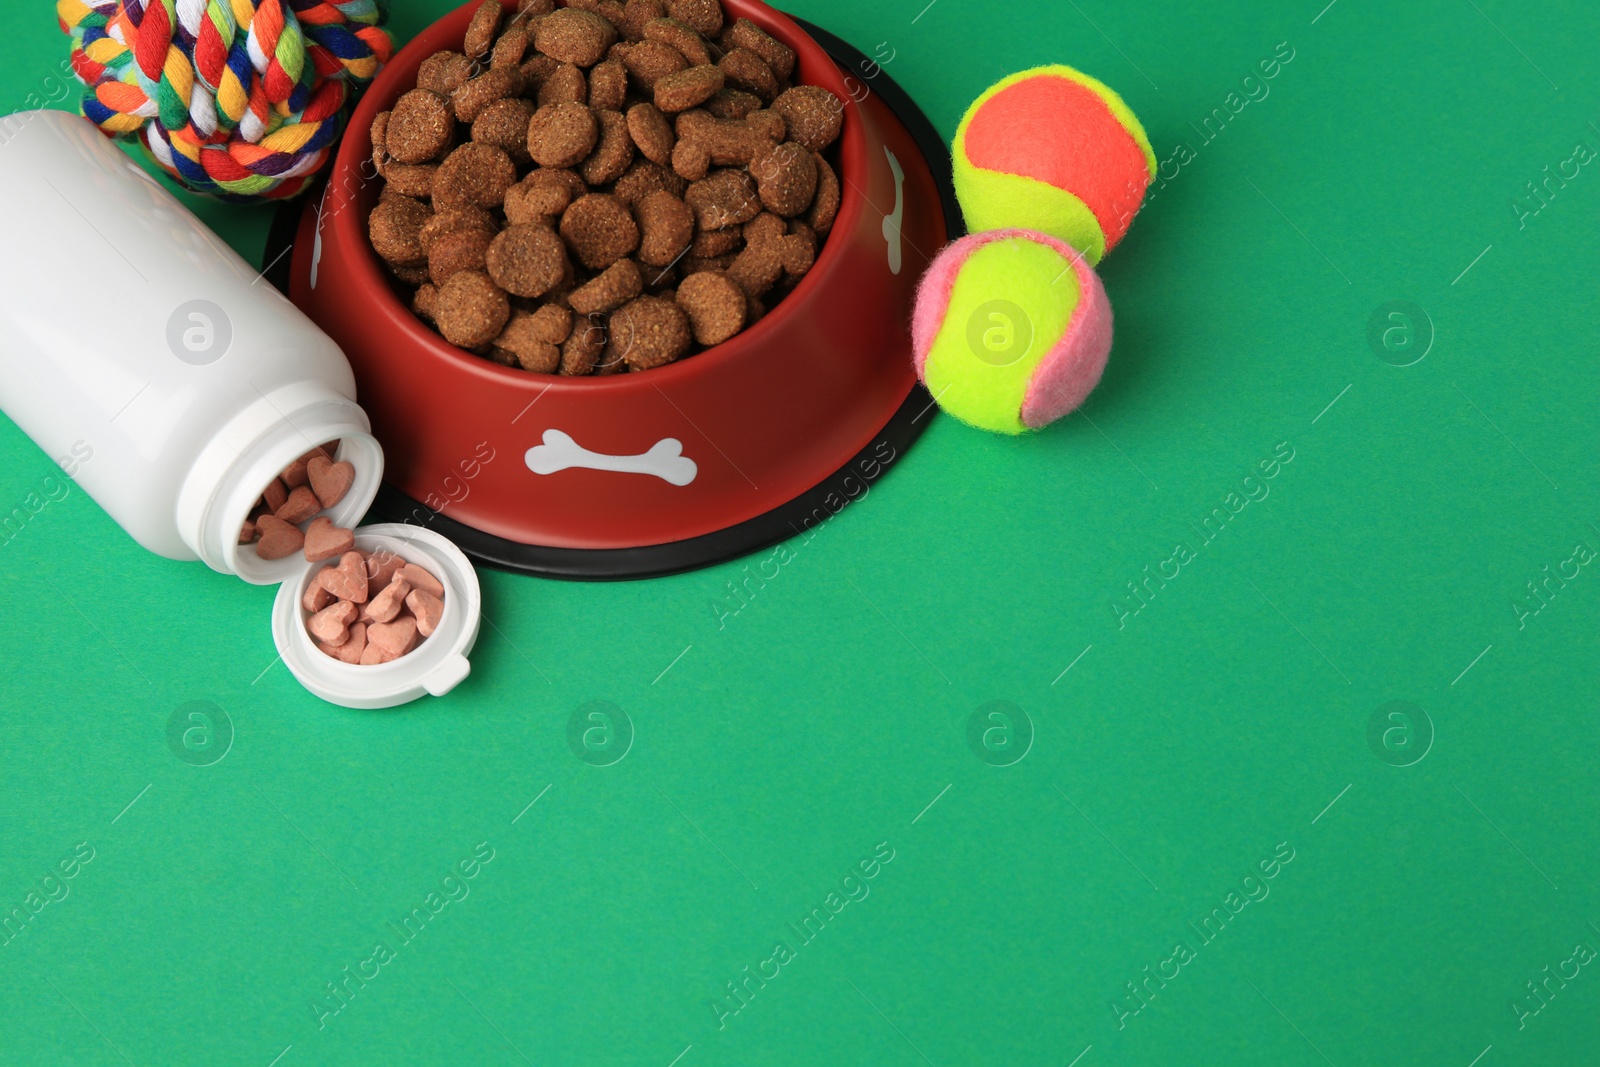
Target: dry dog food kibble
[
  {"x": 585, "y": 188},
  {"x": 371, "y": 607}
]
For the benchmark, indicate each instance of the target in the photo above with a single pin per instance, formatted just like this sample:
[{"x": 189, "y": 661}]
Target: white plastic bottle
[{"x": 127, "y": 324}]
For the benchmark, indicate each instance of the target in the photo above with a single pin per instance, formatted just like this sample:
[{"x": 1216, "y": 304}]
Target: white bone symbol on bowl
[
  {"x": 560, "y": 452},
  {"x": 891, "y": 222}
]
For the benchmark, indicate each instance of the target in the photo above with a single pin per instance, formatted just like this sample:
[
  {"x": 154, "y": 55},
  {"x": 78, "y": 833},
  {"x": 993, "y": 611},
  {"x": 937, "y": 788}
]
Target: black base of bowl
[{"x": 816, "y": 505}]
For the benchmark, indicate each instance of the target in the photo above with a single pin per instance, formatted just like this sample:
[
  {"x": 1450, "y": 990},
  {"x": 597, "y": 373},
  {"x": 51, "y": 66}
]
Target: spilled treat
[{"x": 601, "y": 187}]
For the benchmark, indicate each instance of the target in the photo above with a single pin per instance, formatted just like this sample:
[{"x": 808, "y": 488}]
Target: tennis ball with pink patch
[
  {"x": 1054, "y": 150},
  {"x": 1011, "y": 330}
]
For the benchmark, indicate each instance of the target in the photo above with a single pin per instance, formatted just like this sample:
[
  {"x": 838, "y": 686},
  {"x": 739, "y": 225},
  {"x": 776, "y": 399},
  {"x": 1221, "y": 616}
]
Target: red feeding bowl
[{"x": 659, "y": 471}]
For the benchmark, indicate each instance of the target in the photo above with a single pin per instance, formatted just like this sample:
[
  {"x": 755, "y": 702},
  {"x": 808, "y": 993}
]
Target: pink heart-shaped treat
[
  {"x": 347, "y": 580},
  {"x": 393, "y": 638},
  {"x": 279, "y": 539},
  {"x": 329, "y": 480},
  {"x": 298, "y": 506},
  {"x": 331, "y": 625},
  {"x": 427, "y": 608},
  {"x": 351, "y": 651},
  {"x": 324, "y": 540}
]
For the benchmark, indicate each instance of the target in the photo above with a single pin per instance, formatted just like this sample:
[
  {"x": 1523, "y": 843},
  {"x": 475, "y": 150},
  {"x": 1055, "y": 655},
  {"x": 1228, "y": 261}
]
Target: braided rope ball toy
[{"x": 239, "y": 99}]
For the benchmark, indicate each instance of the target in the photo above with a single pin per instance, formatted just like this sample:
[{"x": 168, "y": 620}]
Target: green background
[{"x": 1182, "y": 748}]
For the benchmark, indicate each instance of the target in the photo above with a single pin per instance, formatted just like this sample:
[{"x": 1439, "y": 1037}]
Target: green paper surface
[{"x": 1323, "y": 750}]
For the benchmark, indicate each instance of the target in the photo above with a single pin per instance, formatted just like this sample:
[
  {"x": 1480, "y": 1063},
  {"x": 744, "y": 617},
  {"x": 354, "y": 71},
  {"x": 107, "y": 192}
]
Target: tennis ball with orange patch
[
  {"x": 1054, "y": 150},
  {"x": 1011, "y": 330}
]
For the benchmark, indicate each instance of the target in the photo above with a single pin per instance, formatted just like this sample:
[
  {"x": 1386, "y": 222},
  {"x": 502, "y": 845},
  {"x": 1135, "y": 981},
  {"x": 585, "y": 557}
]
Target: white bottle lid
[{"x": 435, "y": 666}]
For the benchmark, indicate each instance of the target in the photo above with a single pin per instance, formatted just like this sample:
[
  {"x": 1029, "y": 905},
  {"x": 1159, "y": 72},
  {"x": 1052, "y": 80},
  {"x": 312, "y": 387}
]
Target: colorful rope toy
[{"x": 240, "y": 99}]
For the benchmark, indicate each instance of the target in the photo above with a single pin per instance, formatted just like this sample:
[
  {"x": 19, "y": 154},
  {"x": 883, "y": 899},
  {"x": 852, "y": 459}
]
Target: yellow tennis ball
[
  {"x": 1054, "y": 150},
  {"x": 1011, "y": 330}
]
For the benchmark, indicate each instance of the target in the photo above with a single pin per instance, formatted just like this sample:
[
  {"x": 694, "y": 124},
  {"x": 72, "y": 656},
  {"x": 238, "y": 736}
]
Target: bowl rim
[{"x": 351, "y": 182}]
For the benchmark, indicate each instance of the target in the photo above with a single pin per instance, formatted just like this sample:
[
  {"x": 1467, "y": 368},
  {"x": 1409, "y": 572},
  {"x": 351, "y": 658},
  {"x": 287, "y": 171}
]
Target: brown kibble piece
[
  {"x": 610, "y": 10},
  {"x": 815, "y": 116},
  {"x": 698, "y": 264},
  {"x": 600, "y": 230},
  {"x": 681, "y": 36},
  {"x": 527, "y": 260},
  {"x": 424, "y": 299},
  {"x": 495, "y": 84},
  {"x": 543, "y": 195},
  {"x": 650, "y": 332},
  {"x": 330, "y": 481},
  {"x": 324, "y": 540},
  {"x": 732, "y": 142},
  {"x": 474, "y": 175},
  {"x": 537, "y": 67},
  {"x": 779, "y": 56},
  {"x": 786, "y": 177},
  {"x": 529, "y": 8},
  {"x": 444, "y": 73},
  {"x": 427, "y": 609},
  {"x": 690, "y": 160},
  {"x": 733, "y": 104},
  {"x": 279, "y": 539},
  {"x": 687, "y": 88},
  {"x": 608, "y": 86},
  {"x": 301, "y": 504},
  {"x": 414, "y": 180},
  {"x": 635, "y": 13},
  {"x": 825, "y": 208},
  {"x": 482, "y": 29},
  {"x": 512, "y": 46},
  {"x": 715, "y": 305},
  {"x": 394, "y": 228},
  {"x": 504, "y": 124},
  {"x": 666, "y": 226},
  {"x": 609, "y": 290},
  {"x": 527, "y": 338},
  {"x": 799, "y": 249},
  {"x": 612, "y": 152},
  {"x": 387, "y": 604},
  {"x": 644, "y": 178},
  {"x": 577, "y": 37},
  {"x": 420, "y": 127},
  {"x": 331, "y": 625},
  {"x": 704, "y": 15},
  {"x": 709, "y": 243},
  {"x": 471, "y": 310},
  {"x": 413, "y": 274},
  {"x": 583, "y": 348},
  {"x": 347, "y": 579},
  {"x": 650, "y": 61},
  {"x": 564, "y": 85},
  {"x": 454, "y": 219},
  {"x": 562, "y": 135},
  {"x": 758, "y": 268},
  {"x": 456, "y": 251},
  {"x": 651, "y": 132},
  {"x": 421, "y": 578},
  {"x": 748, "y": 71},
  {"x": 724, "y": 198},
  {"x": 378, "y": 133}
]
